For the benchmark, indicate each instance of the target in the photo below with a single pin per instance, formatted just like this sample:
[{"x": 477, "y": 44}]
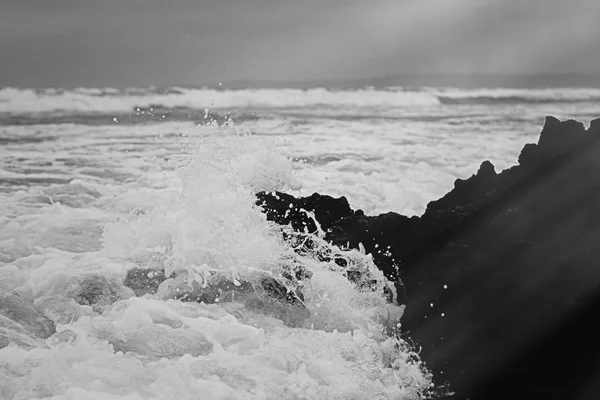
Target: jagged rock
[
  {"x": 286, "y": 209},
  {"x": 22, "y": 319},
  {"x": 500, "y": 275},
  {"x": 594, "y": 128}
]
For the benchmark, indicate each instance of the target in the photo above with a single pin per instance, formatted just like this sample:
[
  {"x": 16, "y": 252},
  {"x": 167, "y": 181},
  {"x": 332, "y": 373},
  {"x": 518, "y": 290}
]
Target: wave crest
[{"x": 24, "y": 101}]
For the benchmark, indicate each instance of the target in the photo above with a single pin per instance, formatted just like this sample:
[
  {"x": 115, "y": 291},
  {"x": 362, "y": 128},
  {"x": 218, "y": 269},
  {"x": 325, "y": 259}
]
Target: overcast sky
[{"x": 141, "y": 42}]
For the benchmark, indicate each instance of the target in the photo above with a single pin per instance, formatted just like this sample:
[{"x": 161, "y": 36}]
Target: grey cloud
[{"x": 142, "y": 42}]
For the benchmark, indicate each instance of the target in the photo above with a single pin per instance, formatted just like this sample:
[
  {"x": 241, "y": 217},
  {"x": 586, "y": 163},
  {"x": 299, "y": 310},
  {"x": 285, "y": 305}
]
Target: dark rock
[
  {"x": 99, "y": 291},
  {"x": 18, "y": 310},
  {"x": 12, "y": 332},
  {"x": 286, "y": 209},
  {"x": 268, "y": 297},
  {"x": 144, "y": 281},
  {"x": 500, "y": 275},
  {"x": 560, "y": 137},
  {"x": 486, "y": 170},
  {"x": 594, "y": 128},
  {"x": 271, "y": 297},
  {"x": 528, "y": 155}
]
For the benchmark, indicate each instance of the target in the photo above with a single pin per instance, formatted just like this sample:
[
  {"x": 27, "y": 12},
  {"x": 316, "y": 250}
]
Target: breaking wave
[
  {"x": 519, "y": 96},
  {"x": 95, "y": 106},
  {"x": 171, "y": 283},
  {"x": 115, "y": 101}
]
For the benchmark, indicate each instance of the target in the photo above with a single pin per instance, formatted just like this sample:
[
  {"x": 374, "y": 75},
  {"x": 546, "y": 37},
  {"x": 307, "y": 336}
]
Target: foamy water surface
[{"x": 83, "y": 203}]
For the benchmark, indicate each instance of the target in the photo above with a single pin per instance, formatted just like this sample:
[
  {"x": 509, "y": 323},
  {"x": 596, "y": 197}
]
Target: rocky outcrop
[{"x": 500, "y": 276}]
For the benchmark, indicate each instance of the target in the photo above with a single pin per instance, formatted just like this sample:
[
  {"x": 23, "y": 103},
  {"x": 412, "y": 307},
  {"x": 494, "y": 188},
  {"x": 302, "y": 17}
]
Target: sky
[{"x": 118, "y": 43}]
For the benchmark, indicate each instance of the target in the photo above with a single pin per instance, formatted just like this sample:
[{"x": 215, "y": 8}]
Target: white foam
[
  {"x": 543, "y": 94},
  {"x": 283, "y": 364},
  {"x": 211, "y": 223},
  {"x": 191, "y": 212}
]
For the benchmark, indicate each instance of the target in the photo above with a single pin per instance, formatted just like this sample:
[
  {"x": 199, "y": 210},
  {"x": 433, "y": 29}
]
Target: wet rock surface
[
  {"x": 269, "y": 297},
  {"x": 144, "y": 280},
  {"x": 99, "y": 291},
  {"x": 21, "y": 322},
  {"x": 58, "y": 309},
  {"x": 500, "y": 276}
]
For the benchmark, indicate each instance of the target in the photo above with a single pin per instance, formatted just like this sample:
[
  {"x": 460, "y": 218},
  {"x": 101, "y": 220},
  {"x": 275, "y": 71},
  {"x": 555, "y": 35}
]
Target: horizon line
[{"x": 413, "y": 79}]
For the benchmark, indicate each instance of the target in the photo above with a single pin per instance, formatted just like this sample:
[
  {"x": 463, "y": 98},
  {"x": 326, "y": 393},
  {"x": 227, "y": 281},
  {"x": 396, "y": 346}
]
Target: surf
[{"x": 192, "y": 227}]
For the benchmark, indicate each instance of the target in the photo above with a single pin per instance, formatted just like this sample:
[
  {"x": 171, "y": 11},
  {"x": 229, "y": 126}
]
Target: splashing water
[{"x": 172, "y": 284}]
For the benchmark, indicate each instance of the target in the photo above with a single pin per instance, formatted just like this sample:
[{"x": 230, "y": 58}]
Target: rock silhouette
[{"x": 500, "y": 276}]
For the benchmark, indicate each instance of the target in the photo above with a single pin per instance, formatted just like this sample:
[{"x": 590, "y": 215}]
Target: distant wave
[
  {"x": 510, "y": 100},
  {"x": 181, "y": 100},
  {"x": 517, "y": 96},
  {"x": 87, "y": 100}
]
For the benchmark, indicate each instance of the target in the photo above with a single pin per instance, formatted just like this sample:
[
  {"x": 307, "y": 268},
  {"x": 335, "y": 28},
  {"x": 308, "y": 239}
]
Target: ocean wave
[
  {"x": 516, "y": 96},
  {"x": 88, "y": 100},
  {"x": 99, "y": 106},
  {"x": 133, "y": 212}
]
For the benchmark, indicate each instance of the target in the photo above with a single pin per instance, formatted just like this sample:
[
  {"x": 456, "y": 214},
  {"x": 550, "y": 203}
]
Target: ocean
[{"x": 97, "y": 182}]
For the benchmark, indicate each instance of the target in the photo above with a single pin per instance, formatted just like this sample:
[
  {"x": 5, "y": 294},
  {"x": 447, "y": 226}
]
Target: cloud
[{"x": 140, "y": 42}]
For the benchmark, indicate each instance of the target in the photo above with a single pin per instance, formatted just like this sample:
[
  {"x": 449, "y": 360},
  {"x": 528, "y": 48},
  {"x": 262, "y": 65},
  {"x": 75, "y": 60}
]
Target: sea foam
[{"x": 195, "y": 217}]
